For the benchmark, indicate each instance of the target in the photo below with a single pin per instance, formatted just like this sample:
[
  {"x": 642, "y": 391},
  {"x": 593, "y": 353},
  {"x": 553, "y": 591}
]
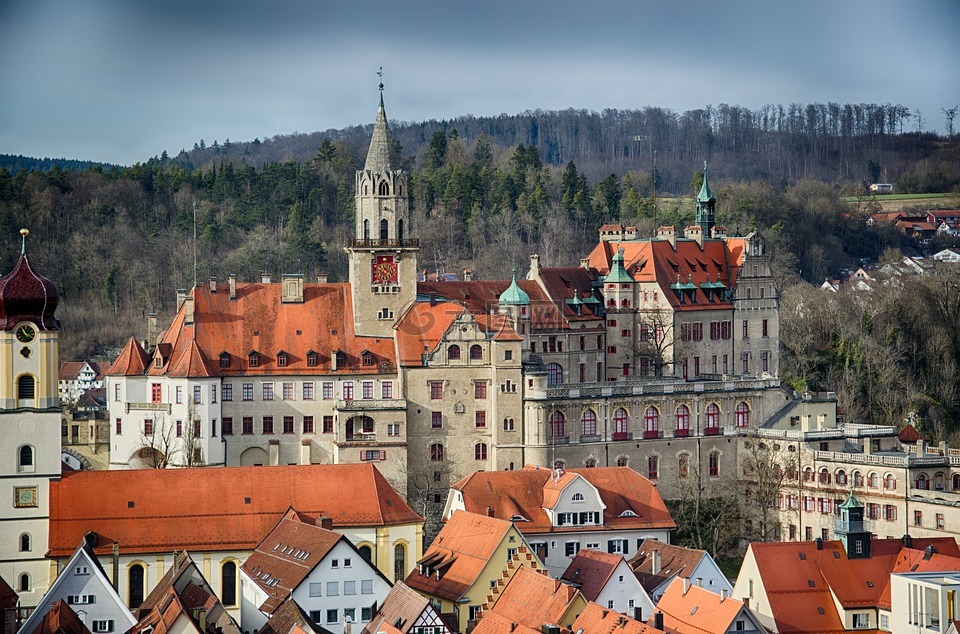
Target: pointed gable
[
  {"x": 61, "y": 619},
  {"x": 533, "y": 598},
  {"x": 133, "y": 360},
  {"x": 590, "y": 570},
  {"x": 688, "y": 608},
  {"x": 192, "y": 363}
]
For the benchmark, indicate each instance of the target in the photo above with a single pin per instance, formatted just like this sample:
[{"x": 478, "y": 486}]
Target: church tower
[
  {"x": 383, "y": 253},
  {"x": 706, "y": 207},
  {"x": 29, "y": 424}
]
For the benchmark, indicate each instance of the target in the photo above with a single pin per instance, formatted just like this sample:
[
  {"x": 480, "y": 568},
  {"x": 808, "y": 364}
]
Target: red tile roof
[
  {"x": 913, "y": 560},
  {"x": 61, "y": 619},
  {"x": 70, "y": 370},
  {"x": 212, "y": 509},
  {"x": 521, "y": 492},
  {"x": 133, "y": 360},
  {"x": 460, "y": 552},
  {"x": 674, "y": 561},
  {"x": 532, "y": 599},
  {"x": 596, "y": 619},
  {"x": 819, "y": 577},
  {"x": 289, "y": 618},
  {"x": 696, "y": 610},
  {"x": 480, "y": 297},
  {"x": 193, "y": 363},
  {"x": 658, "y": 261},
  {"x": 909, "y": 434},
  {"x": 590, "y": 570},
  {"x": 401, "y": 608}
]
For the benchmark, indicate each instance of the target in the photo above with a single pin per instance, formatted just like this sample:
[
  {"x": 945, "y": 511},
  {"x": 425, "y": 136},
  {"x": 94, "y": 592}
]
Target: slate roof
[
  {"x": 696, "y": 609},
  {"x": 286, "y": 556},
  {"x": 674, "y": 561},
  {"x": 460, "y": 552},
  {"x": 521, "y": 492},
  {"x": 224, "y": 508},
  {"x": 590, "y": 570}
]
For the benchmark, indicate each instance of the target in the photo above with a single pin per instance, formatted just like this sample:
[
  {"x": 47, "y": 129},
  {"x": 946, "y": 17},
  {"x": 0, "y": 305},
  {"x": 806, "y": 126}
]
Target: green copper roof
[
  {"x": 851, "y": 503},
  {"x": 514, "y": 295},
  {"x": 617, "y": 273},
  {"x": 705, "y": 193}
]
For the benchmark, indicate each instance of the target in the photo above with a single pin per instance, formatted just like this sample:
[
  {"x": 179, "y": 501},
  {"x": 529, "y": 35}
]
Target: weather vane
[{"x": 380, "y": 73}]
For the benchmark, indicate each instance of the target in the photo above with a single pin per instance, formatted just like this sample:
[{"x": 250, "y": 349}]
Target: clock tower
[
  {"x": 29, "y": 425},
  {"x": 383, "y": 253}
]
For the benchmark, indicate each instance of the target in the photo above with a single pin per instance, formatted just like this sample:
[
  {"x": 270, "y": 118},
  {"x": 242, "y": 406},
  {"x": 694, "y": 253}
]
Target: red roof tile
[
  {"x": 521, "y": 492},
  {"x": 61, "y": 619},
  {"x": 674, "y": 561},
  {"x": 193, "y": 363},
  {"x": 402, "y": 607},
  {"x": 531, "y": 599},
  {"x": 596, "y": 619},
  {"x": 909, "y": 434},
  {"x": 696, "y": 610},
  {"x": 590, "y": 570},
  {"x": 229, "y": 508},
  {"x": 133, "y": 360}
]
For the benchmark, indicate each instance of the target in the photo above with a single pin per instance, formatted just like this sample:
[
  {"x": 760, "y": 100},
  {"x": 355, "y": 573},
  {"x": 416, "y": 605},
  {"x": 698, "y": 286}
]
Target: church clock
[
  {"x": 26, "y": 333},
  {"x": 384, "y": 270}
]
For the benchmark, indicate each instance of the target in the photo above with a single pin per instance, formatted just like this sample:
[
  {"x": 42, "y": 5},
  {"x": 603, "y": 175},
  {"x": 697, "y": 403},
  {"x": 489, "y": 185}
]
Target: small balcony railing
[
  {"x": 388, "y": 244},
  {"x": 361, "y": 437},
  {"x": 623, "y": 435},
  {"x": 651, "y": 433},
  {"x": 711, "y": 431},
  {"x": 681, "y": 433},
  {"x": 560, "y": 440},
  {"x": 590, "y": 438}
]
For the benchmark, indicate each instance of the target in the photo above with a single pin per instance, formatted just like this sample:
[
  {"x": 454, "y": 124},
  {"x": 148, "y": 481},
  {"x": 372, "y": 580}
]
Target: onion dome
[
  {"x": 27, "y": 296},
  {"x": 514, "y": 295}
]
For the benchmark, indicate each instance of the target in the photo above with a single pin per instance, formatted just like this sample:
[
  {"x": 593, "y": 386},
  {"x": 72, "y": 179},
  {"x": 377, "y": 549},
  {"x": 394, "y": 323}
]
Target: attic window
[
  {"x": 518, "y": 518},
  {"x": 282, "y": 359},
  {"x": 802, "y": 556},
  {"x": 629, "y": 513},
  {"x": 836, "y": 555},
  {"x": 158, "y": 362},
  {"x": 246, "y": 500},
  {"x": 130, "y": 505},
  {"x": 820, "y": 611},
  {"x": 869, "y": 584},
  {"x": 341, "y": 359},
  {"x": 810, "y": 583},
  {"x": 224, "y": 360},
  {"x": 312, "y": 359},
  {"x": 254, "y": 359},
  {"x": 367, "y": 358}
]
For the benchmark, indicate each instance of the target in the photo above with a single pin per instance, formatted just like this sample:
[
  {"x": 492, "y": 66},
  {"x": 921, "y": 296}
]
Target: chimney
[
  {"x": 667, "y": 233},
  {"x": 489, "y": 511},
  {"x": 686, "y": 585},
  {"x": 534, "y": 266},
  {"x": 188, "y": 309},
  {"x": 723, "y": 594},
  {"x": 116, "y": 565},
  {"x": 655, "y": 562},
  {"x": 333, "y": 360},
  {"x": 907, "y": 541},
  {"x": 292, "y": 289},
  {"x": 638, "y": 613},
  {"x": 264, "y": 277},
  {"x": 585, "y": 263},
  {"x": 658, "y": 621},
  {"x": 305, "y": 451},
  {"x": 549, "y": 628},
  {"x": 819, "y": 542},
  {"x": 181, "y": 296},
  {"x": 433, "y": 298},
  {"x": 213, "y": 285},
  {"x": 694, "y": 232},
  {"x": 274, "y": 452},
  {"x": 322, "y": 278},
  {"x": 929, "y": 552},
  {"x": 326, "y": 522},
  {"x": 152, "y": 331},
  {"x": 233, "y": 286}
]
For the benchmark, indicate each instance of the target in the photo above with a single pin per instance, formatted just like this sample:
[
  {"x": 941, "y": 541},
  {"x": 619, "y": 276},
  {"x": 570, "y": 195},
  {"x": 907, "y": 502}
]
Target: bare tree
[
  {"x": 658, "y": 341},
  {"x": 707, "y": 512},
  {"x": 156, "y": 447},
  {"x": 950, "y": 114},
  {"x": 766, "y": 469},
  {"x": 192, "y": 451}
]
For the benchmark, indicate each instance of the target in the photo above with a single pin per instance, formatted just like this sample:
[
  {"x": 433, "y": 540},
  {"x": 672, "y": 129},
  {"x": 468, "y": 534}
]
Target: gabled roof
[
  {"x": 133, "y": 360},
  {"x": 482, "y": 296},
  {"x": 8, "y": 598},
  {"x": 70, "y": 370},
  {"x": 193, "y": 363},
  {"x": 401, "y": 609},
  {"x": 286, "y": 556},
  {"x": 532, "y": 598},
  {"x": 909, "y": 434},
  {"x": 229, "y": 508},
  {"x": 61, "y": 619},
  {"x": 690, "y": 609},
  {"x": 596, "y": 619},
  {"x": 590, "y": 570},
  {"x": 460, "y": 552},
  {"x": 289, "y": 618},
  {"x": 566, "y": 283},
  {"x": 674, "y": 561},
  {"x": 555, "y": 485},
  {"x": 913, "y": 560},
  {"x": 521, "y": 492}
]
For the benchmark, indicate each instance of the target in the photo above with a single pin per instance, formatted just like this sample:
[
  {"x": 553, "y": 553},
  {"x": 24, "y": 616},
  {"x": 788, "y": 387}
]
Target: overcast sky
[{"x": 120, "y": 81}]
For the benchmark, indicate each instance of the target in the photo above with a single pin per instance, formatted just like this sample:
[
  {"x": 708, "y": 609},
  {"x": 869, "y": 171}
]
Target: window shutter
[{"x": 610, "y": 546}]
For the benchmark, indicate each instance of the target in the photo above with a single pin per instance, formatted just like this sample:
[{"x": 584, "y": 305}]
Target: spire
[
  {"x": 378, "y": 156},
  {"x": 705, "y": 194},
  {"x": 706, "y": 206},
  {"x": 514, "y": 295}
]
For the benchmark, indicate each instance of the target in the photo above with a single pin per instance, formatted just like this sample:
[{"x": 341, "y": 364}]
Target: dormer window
[
  {"x": 341, "y": 359},
  {"x": 366, "y": 358},
  {"x": 628, "y": 513},
  {"x": 158, "y": 362},
  {"x": 282, "y": 359},
  {"x": 254, "y": 359},
  {"x": 313, "y": 359},
  {"x": 224, "y": 360}
]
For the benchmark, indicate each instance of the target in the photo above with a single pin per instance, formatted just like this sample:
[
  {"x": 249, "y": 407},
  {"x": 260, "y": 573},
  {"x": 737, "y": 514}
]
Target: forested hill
[
  {"x": 778, "y": 144},
  {"x": 15, "y": 163}
]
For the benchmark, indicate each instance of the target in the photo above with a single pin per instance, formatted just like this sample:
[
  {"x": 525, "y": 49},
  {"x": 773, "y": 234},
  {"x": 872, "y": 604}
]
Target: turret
[{"x": 706, "y": 206}]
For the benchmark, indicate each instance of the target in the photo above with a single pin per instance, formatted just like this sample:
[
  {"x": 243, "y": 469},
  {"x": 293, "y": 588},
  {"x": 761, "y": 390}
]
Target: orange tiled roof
[
  {"x": 482, "y": 296},
  {"x": 674, "y": 561},
  {"x": 493, "y": 623},
  {"x": 289, "y": 618},
  {"x": 649, "y": 261},
  {"x": 521, "y": 492},
  {"x": 696, "y": 609},
  {"x": 61, "y": 619},
  {"x": 591, "y": 570},
  {"x": 287, "y": 555},
  {"x": 460, "y": 551},
  {"x": 132, "y": 361},
  {"x": 402, "y": 607},
  {"x": 913, "y": 560},
  {"x": 193, "y": 363},
  {"x": 553, "y": 487},
  {"x": 531, "y": 599},
  {"x": 909, "y": 434},
  {"x": 229, "y": 508},
  {"x": 596, "y": 619}
]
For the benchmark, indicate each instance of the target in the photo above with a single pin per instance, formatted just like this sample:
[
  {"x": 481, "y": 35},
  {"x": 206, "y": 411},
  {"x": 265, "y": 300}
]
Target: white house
[
  {"x": 76, "y": 377},
  {"x": 657, "y": 564},
  {"x": 84, "y": 586},
  {"x": 607, "y": 579},
  {"x": 319, "y": 569}
]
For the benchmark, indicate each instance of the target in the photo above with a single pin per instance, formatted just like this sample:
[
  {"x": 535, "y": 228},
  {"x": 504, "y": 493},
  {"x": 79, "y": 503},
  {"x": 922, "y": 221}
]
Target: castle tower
[
  {"x": 29, "y": 425},
  {"x": 850, "y": 531},
  {"x": 706, "y": 207},
  {"x": 383, "y": 253}
]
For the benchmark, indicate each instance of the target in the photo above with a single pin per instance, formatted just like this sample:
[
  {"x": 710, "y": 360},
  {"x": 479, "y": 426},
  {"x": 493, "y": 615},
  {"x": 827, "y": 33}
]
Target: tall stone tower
[
  {"x": 383, "y": 253},
  {"x": 29, "y": 425}
]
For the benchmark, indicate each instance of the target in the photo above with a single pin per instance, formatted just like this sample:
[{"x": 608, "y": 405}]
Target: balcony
[
  {"x": 623, "y": 435},
  {"x": 590, "y": 438},
  {"x": 681, "y": 433},
  {"x": 371, "y": 405},
  {"x": 559, "y": 440},
  {"x": 361, "y": 437},
  {"x": 711, "y": 431},
  {"x": 372, "y": 243},
  {"x": 147, "y": 407},
  {"x": 649, "y": 434}
]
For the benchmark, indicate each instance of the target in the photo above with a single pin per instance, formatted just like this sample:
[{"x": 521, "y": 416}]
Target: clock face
[
  {"x": 26, "y": 333},
  {"x": 384, "y": 270}
]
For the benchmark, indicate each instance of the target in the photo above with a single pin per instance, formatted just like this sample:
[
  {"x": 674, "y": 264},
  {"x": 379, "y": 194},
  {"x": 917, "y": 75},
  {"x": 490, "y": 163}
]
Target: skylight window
[
  {"x": 810, "y": 583},
  {"x": 802, "y": 556},
  {"x": 629, "y": 513}
]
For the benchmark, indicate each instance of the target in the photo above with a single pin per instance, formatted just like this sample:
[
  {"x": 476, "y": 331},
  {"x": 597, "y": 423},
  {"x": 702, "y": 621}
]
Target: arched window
[
  {"x": 714, "y": 464},
  {"x": 399, "y": 562},
  {"x": 588, "y": 423},
  {"x": 135, "y": 583},
  {"x": 808, "y": 474},
  {"x": 857, "y": 479},
  {"x": 480, "y": 451},
  {"x": 436, "y": 452},
  {"x": 24, "y": 585},
  {"x": 873, "y": 481},
  {"x": 841, "y": 477},
  {"x": 25, "y": 543},
  {"x": 620, "y": 424},
  {"x": 384, "y": 229},
  {"x": 453, "y": 353},
  {"x": 366, "y": 229},
  {"x": 712, "y": 426},
  {"x": 923, "y": 482},
  {"x": 824, "y": 476},
  {"x": 683, "y": 465},
  {"x": 384, "y": 188},
  {"x": 890, "y": 482},
  {"x": 683, "y": 422},
  {"x": 228, "y": 584},
  {"x": 651, "y": 422},
  {"x": 365, "y": 552},
  {"x": 554, "y": 374},
  {"x": 557, "y": 425},
  {"x": 476, "y": 352},
  {"x": 590, "y": 463},
  {"x": 622, "y": 461},
  {"x": 653, "y": 467},
  {"x": 742, "y": 413},
  {"x": 26, "y": 387},
  {"x": 25, "y": 458},
  {"x": 956, "y": 482}
]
